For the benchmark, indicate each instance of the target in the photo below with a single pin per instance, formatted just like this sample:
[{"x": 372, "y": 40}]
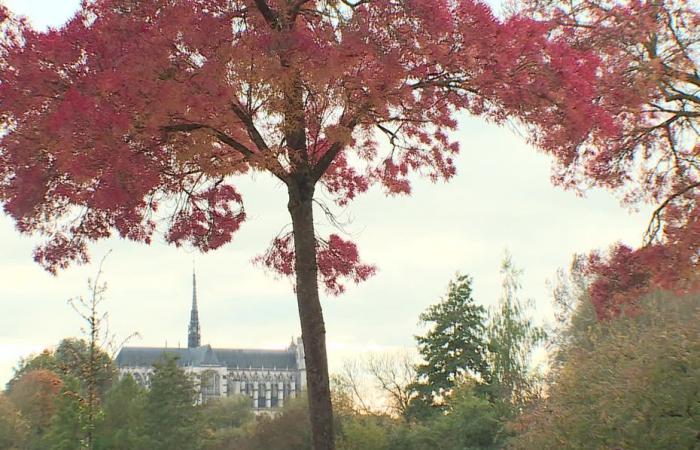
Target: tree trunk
[{"x": 313, "y": 329}]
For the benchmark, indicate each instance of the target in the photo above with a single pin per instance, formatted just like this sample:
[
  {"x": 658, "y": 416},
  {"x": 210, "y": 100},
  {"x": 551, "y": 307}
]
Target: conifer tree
[
  {"x": 122, "y": 425},
  {"x": 171, "y": 417},
  {"x": 455, "y": 346},
  {"x": 69, "y": 426}
]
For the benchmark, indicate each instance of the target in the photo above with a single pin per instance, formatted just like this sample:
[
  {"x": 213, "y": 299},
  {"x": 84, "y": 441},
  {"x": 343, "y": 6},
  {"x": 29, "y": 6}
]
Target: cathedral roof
[
  {"x": 256, "y": 359},
  {"x": 207, "y": 356}
]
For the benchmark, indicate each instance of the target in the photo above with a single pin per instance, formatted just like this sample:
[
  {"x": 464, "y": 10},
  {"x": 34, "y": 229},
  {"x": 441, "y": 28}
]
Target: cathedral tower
[{"x": 193, "y": 337}]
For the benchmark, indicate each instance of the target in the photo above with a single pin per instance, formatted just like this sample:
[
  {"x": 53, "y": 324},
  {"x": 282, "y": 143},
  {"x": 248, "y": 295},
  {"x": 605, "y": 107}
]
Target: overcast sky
[{"x": 501, "y": 198}]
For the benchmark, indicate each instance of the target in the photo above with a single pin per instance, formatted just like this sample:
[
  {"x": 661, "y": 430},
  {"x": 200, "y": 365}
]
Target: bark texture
[{"x": 313, "y": 329}]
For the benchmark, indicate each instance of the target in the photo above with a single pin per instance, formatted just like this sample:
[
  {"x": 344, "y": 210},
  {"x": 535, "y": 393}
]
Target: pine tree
[
  {"x": 171, "y": 417},
  {"x": 454, "y": 347},
  {"x": 68, "y": 429},
  {"x": 122, "y": 426}
]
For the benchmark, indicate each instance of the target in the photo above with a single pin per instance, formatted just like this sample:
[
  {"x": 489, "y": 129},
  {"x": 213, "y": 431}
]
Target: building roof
[
  {"x": 206, "y": 356},
  {"x": 244, "y": 359}
]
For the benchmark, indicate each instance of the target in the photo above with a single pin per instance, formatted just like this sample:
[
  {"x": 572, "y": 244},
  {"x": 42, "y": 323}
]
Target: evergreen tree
[
  {"x": 511, "y": 340},
  {"x": 171, "y": 418},
  {"x": 454, "y": 347},
  {"x": 122, "y": 426},
  {"x": 68, "y": 429}
]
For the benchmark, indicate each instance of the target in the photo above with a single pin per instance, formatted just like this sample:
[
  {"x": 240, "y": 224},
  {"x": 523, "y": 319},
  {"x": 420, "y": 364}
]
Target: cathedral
[{"x": 268, "y": 377}]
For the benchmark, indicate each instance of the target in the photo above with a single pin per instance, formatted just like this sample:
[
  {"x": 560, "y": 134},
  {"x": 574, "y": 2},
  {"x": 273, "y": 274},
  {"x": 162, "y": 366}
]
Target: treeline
[{"x": 624, "y": 383}]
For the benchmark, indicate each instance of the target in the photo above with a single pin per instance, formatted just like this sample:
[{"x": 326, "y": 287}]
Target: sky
[{"x": 500, "y": 199}]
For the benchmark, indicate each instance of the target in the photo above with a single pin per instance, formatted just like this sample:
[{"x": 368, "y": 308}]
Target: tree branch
[
  {"x": 325, "y": 161},
  {"x": 655, "y": 222},
  {"x": 223, "y": 137},
  {"x": 271, "y": 17}
]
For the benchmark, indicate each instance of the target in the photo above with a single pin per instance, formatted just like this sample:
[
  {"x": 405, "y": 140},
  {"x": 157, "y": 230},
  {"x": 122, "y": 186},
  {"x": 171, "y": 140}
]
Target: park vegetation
[
  {"x": 141, "y": 113},
  {"x": 628, "y": 383}
]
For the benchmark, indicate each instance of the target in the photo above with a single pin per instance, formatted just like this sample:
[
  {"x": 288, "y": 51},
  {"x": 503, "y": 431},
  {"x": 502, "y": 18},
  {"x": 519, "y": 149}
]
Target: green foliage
[
  {"x": 225, "y": 421},
  {"x": 511, "y": 340},
  {"x": 288, "y": 430},
  {"x": 171, "y": 418},
  {"x": 471, "y": 422},
  {"x": 574, "y": 314},
  {"x": 454, "y": 346},
  {"x": 45, "y": 360},
  {"x": 364, "y": 432},
  {"x": 14, "y": 429},
  {"x": 635, "y": 388},
  {"x": 121, "y": 427},
  {"x": 69, "y": 360},
  {"x": 68, "y": 424}
]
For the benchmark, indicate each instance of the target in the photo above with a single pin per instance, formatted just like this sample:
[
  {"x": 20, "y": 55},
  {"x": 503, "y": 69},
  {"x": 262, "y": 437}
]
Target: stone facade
[{"x": 268, "y": 377}]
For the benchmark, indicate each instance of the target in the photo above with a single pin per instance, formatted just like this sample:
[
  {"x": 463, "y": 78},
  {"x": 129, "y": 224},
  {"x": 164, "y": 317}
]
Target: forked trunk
[{"x": 313, "y": 329}]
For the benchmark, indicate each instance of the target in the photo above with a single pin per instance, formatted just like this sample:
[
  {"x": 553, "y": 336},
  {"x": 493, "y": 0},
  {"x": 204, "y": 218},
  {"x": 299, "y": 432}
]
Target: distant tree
[
  {"x": 637, "y": 388},
  {"x": 394, "y": 375},
  {"x": 89, "y": 356},
  {"x": 364, "y": 432},
  {"x": 376, "y": 383},
  {"x": 171, "y": 419},
  {"x": 468, "y": 420},
  {"x": 45, "y": 360},
  {"x": 122, "y": 424},
  {"x": 68, "y": 360},
  {"x": 455, "y": 344},
  {"x": 471, "y": 422},
  {"x": 225, "y": 421},
  {"x": 14, "y": 430},
  {"x": 574, "y": 314},
  {"x": 289, "y": 430},
  {"x": 34, "y": 394},
  {"x": 69, "y": 428},
  {"x": 512, "y": 337}
]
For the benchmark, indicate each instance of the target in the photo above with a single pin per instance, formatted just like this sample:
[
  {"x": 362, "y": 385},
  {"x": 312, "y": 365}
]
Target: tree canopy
[
  {"x": 137, "y": 116},
  {"x": 455, "y": 345}
]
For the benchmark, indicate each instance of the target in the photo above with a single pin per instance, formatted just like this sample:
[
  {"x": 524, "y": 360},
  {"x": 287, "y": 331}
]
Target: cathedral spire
[{"x": 193, "y": 337}]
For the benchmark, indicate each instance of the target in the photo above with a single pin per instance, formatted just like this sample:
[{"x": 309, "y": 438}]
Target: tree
[
  {"x": 290, "y": 429},
  {"x": 94, "y": 366},
  {"x": 364, "y": 433},
  {"x": 471, "y": 422},
  {"x": 69, "y": 424},
  {"x": 649, "y": 85},
  {"x": 512, "y": 337},
  {"x": 43, "y": 361},
  {"x": 171, "y": 419},
  {"x": 455, "y": 345},
  {"x": 68, "y": 361},
  {"x": 394, "y": 373},
  {"x": 34, "y": 394},
  {"x": 225, "y": 421},
  {"x": 14, "y": 430},
  {"x": 637, "y": 388},
  {"x": 122, "y": 424},
  {"x": 135, "y": 108}
]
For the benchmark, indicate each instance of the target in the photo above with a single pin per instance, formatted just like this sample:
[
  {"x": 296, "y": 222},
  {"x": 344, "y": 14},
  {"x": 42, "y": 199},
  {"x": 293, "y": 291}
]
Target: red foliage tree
[
  {"x": 136, "y": 110},
  {"x": 35, "y": 394},
  {"x": 650, "y": 85}
]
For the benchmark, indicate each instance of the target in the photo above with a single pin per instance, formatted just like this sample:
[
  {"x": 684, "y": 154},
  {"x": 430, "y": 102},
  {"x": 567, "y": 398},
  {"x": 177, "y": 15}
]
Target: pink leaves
[
  {"x": 209, "y": 219},
  {"x": 338, "y": 261}
]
